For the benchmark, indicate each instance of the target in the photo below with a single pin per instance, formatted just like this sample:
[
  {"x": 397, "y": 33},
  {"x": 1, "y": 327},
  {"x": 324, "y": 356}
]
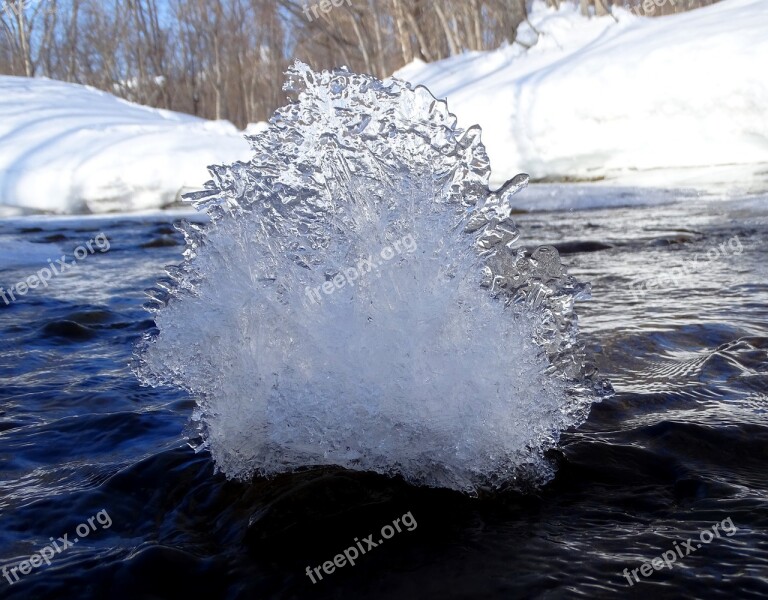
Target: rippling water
[{"x": 682, "y": 446}]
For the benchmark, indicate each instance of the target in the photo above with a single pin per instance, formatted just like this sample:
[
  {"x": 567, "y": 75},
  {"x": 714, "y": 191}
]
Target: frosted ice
[{"x": 359, "y": 300}]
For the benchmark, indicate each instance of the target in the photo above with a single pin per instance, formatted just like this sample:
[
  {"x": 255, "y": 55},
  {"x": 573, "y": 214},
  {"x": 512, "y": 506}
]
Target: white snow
[
  {"x": 596, "y": 98},
  {"x": 71, "y": 149},
  {"x": 671, "y": 102}
]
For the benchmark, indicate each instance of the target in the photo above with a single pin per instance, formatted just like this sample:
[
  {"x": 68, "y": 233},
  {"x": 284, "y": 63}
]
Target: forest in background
[{"x": 225, "y": 59}]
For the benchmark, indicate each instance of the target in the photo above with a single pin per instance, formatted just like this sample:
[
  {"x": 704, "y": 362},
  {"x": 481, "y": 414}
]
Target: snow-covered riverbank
[
  {"x": 71, "y": 149},
  {"x": 620, "y": 98},
  {"x": 672, "y": 102}
]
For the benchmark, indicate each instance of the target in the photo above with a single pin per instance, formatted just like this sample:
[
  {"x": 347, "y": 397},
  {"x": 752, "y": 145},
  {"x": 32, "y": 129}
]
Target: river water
[{"x": 673, "y": 465}]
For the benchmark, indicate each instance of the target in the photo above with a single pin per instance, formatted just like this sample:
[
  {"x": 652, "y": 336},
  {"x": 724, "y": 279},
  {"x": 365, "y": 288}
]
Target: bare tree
[
  {"x": 224, "y": 59},
  {"x": 21, "y": 21}
]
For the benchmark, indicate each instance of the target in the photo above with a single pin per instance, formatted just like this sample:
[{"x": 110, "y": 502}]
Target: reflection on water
[{"x": 681, "y": 446}]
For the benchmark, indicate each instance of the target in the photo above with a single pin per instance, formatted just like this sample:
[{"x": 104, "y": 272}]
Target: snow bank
[
  {"x": 596, "y": 98},
  {"x": 678, "y": 101},
  {"x": 67, "y": 148}
]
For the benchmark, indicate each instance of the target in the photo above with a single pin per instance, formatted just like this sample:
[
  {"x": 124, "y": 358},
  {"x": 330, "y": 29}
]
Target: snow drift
[
  {"x": 605, "y": 97},
  {"x": 71, "y": 149},
  {"x": 673, "y": 101}
]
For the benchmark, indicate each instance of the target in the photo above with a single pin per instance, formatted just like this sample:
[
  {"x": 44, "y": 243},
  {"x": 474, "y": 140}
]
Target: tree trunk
[{"x": 449, "y": 34}]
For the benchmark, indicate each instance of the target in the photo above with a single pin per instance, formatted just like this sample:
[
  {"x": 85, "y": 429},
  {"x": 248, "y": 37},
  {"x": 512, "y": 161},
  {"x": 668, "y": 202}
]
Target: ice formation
[{"x": 358, "y": 299}]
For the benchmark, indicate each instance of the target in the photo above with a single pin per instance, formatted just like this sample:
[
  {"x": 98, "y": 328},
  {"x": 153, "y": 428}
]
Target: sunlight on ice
[{"x": 454, "y": 364}]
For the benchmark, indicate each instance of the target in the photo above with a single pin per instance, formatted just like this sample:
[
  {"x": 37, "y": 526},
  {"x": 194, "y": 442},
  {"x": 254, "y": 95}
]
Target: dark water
[{"x": 682, "y": 447}]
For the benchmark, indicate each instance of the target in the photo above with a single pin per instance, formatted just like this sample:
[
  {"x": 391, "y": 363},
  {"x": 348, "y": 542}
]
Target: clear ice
[{"x": 359, "y": 299}]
